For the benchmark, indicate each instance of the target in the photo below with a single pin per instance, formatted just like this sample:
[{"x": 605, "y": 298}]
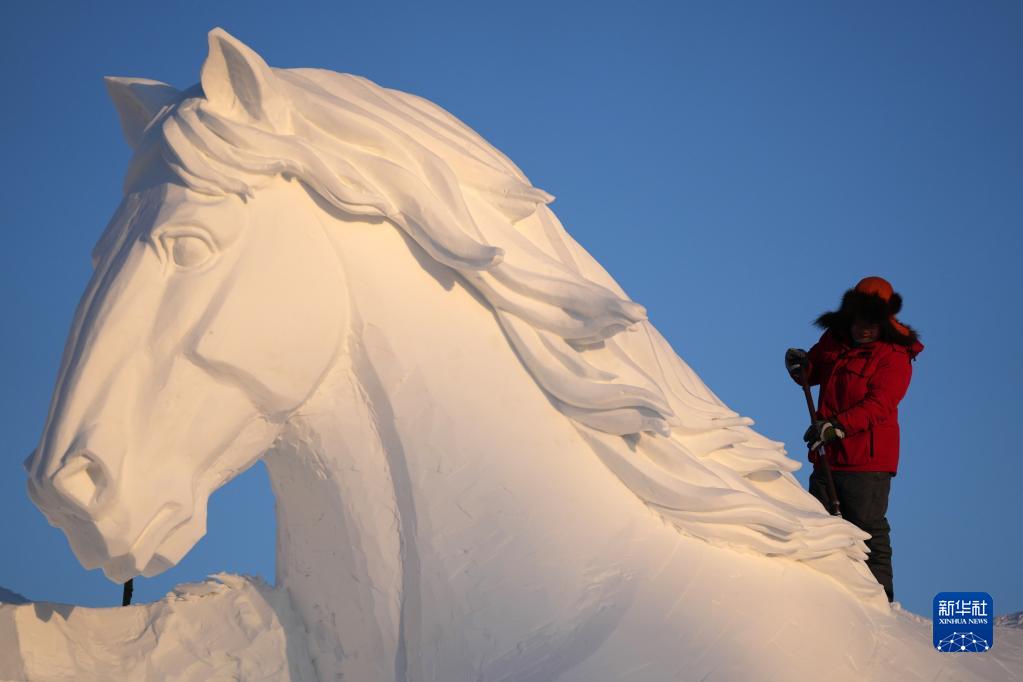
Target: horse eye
[{"x": 189, "y": 252}]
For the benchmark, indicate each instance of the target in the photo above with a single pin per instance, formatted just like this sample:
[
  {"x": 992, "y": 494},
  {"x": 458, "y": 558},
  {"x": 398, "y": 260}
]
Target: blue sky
[{"x": 735, "y": 165}]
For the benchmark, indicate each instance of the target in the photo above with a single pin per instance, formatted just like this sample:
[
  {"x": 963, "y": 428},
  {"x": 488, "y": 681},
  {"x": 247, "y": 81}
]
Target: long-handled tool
[{"x": 822, "y": 460}]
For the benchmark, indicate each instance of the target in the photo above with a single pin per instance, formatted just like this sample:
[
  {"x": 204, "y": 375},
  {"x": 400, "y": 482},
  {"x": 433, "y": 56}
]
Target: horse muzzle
[{"x": 124, "y": 538}]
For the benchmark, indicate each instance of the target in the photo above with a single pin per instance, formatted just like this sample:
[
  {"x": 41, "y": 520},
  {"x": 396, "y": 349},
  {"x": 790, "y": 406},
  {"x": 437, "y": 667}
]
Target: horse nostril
[{"x": 82, "y": 479}]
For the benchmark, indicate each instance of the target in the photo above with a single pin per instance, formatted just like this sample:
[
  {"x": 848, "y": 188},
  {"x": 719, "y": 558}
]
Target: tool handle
[
  {"x": 805, "y": 381},
  {"x": 822, "y": 460}
]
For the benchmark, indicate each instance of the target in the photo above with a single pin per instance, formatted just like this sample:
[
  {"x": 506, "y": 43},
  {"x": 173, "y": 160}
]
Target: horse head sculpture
[
  {"x": 292, "y": 236},
  {"x": 210, "y": 317}
]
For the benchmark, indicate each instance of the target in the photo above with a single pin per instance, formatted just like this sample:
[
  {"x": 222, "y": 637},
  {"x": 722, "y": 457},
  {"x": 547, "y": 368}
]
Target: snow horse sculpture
[{"x": 488, "y": 465}]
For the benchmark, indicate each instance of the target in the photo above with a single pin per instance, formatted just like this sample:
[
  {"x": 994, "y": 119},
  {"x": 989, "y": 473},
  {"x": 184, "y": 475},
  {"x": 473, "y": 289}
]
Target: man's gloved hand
[
  {"x": 795, "y": 360},
  {"x": 822, "y": 432}
]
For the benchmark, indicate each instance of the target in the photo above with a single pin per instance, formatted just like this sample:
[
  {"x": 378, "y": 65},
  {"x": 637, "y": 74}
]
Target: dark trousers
[{"x": 863, "y": 496}]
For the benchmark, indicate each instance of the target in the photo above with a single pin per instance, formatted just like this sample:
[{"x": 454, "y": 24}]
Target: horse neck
[
  {"x": 428, "y": 464},
  {"x": 338, "y": 542},
  {"x": 342, "y": 470}
]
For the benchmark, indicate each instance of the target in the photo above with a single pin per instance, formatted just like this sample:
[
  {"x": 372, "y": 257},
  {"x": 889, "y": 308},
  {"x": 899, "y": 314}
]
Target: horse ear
[
  {"x": 236, "y": 79},
  {"x": 138, "y": 101}
]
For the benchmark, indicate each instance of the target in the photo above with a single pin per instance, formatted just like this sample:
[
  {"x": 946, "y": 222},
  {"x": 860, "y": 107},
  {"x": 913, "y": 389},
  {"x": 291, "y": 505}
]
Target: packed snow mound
[
  {"x": 1010, "y": 620},
  {"x": 238, "y": 628},
  {"x": 11, "y": 597},
  {"x": 227, "y": 628}
]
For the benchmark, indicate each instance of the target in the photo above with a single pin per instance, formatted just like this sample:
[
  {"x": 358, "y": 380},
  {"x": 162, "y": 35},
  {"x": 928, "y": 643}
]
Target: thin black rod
[{"x": 822, "y": 460}]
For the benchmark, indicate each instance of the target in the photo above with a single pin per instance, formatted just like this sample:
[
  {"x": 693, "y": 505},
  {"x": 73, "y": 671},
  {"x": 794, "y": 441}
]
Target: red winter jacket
[{"x": 861, "y": 387}]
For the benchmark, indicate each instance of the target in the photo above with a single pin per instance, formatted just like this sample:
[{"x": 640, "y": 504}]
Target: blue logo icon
[{"x": 964, "y": 622}]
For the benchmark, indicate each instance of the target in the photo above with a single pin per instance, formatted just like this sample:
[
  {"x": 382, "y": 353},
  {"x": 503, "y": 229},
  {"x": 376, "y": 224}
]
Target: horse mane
[{"x": 370, "y": 150}]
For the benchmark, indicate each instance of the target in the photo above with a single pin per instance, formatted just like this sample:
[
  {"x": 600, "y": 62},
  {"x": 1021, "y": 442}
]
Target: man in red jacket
[{"x": 862, "y": 363}]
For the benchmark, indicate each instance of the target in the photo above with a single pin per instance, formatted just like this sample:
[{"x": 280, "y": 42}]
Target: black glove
[
  {"x": 822, "y": 432},
  {"x": 795, "y": 360}
]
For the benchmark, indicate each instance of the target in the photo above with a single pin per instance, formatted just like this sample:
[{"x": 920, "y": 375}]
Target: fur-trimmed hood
[{"x": 872, "y": 307}]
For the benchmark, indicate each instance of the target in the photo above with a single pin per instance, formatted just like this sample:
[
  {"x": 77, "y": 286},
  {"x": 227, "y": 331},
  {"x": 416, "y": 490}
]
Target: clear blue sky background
[{"x": 736, "y": 166}]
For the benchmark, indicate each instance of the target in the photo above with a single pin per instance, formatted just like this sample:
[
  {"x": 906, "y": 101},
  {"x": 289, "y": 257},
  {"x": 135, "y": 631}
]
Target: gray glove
[
  {"x": 822, "y": 432},
  {"x": 795, "y": 361}
]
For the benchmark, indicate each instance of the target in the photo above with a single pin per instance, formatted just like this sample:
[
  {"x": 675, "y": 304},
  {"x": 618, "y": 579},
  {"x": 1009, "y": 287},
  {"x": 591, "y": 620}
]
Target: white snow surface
[
  {"x": 237, "y": 628},
  {"x": 1010, "y": 620},
  {"x": 227, "y": 628},
  {"x": 488, "y": 465}
]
